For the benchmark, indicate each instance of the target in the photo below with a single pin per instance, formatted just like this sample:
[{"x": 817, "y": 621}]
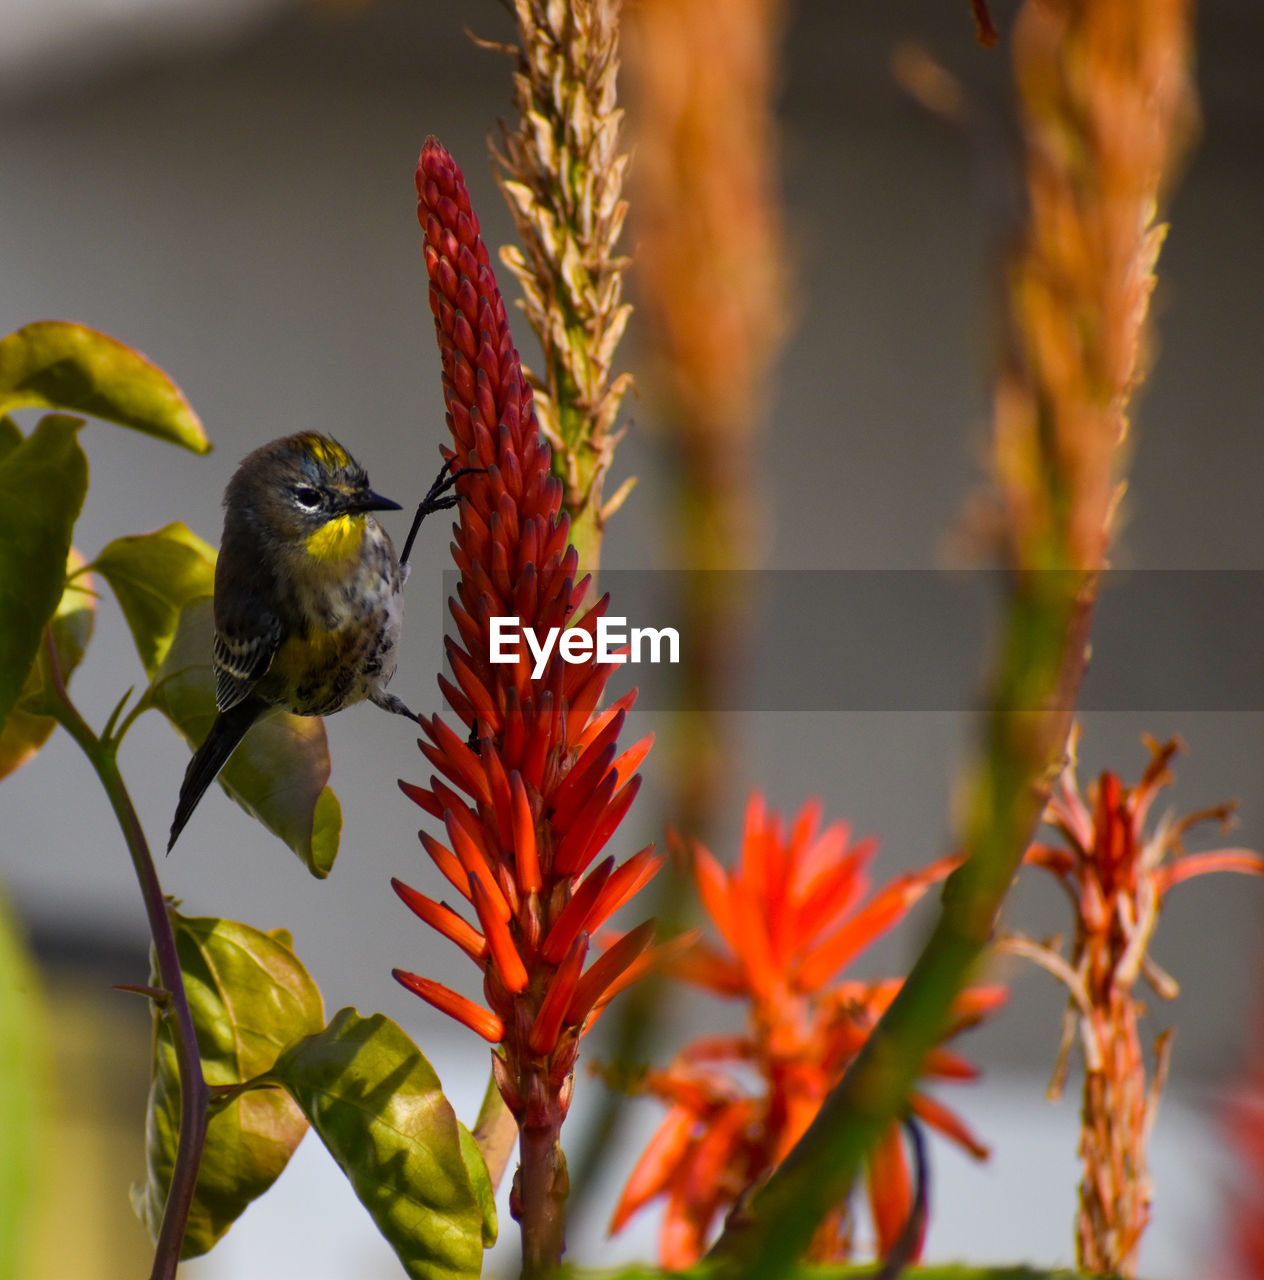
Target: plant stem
[
  {"x": 194, "y": 1094},
  {"x": 543, "y": 1187}
]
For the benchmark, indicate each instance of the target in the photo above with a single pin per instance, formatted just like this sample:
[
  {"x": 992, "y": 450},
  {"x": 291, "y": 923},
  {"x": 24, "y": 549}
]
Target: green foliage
[
  {"x": 28, "y": 728},
  {"x": 250, "y": 997},
  {"x": 280, "y": 771},
  {"x": 43, "y": 480},
  {"x": 55, "y": 365},
  {"x": 377, "y": 1105},
  {"x": 154, "y": 575},
  {"x": 23, "y": 1069},
  {"x": 480, "y": 1183}
]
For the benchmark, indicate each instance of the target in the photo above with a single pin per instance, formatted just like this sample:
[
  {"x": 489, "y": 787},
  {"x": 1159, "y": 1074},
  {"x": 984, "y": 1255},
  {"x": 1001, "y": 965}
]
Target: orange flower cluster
[
  {"x": 790, "y": 917},
  {"x": 1117, "y": 875},
  {"x": 530, "y": 799}
]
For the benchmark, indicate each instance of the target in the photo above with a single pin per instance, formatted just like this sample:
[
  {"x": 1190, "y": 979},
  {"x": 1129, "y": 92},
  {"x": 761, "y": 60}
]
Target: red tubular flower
[
  {"x": 790, "y": 916},
  {"x": 1117, "y": 872},
  {"x": 532, "y": 789}
]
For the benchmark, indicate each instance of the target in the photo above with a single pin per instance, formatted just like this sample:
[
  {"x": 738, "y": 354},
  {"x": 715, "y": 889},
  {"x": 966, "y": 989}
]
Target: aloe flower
[
  {"x": 1117, "y": 871},
  {"x": 791, "y": 916},
  {"x": 533, "y": 785}
]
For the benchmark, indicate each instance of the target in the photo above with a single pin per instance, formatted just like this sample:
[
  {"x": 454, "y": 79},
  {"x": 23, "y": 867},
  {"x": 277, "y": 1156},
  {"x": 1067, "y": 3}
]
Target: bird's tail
[{"x": 228, "y": 730}]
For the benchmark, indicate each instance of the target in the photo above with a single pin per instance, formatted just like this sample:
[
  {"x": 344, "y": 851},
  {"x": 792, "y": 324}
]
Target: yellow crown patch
[{"x": 327, "y": 453}]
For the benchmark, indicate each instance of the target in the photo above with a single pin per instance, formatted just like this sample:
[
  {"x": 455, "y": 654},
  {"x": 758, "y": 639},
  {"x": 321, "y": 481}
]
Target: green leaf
[
  {"x": 250, "y": 998},
  {"x": 154, "y": 575},
  {"x": 377, "y": 1105},
  {"x": 23, "y": 1076},
  {"x": 10, "y": 436},
  {"x": 27, "y": 728},
  {"x": 43, "y": 481},
  {"x": 56, "y": 365},
  {"x": 480, "y": 1184},
  {"x": 280, "y": 771}
]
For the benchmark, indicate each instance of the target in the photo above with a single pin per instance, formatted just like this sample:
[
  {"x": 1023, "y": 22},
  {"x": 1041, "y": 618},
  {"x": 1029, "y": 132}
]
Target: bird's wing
[{"x": 243, "y": 656}]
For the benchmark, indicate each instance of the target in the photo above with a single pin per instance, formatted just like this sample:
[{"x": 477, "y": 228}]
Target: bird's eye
[{"x": 307, "y": 497}]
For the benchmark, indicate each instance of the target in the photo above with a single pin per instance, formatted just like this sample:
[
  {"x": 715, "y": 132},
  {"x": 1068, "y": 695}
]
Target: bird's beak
[{"x": 370, "y": 501}]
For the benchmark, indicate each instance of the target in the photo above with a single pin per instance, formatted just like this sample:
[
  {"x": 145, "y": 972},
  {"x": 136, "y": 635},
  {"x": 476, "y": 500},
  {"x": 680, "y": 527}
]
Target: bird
[{"x": 308, "y": 597}]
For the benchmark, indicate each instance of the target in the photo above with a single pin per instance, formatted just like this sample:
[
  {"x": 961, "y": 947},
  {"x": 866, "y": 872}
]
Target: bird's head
[{"x": 306, "y": 489}]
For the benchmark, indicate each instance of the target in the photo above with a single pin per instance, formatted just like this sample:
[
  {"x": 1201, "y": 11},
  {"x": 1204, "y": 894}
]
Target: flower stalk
[
  {"x": 561, "y": 172},
  {"x": 535, "y": 785},
  {"x": 713, "y": 280},
  {"x": 1117, "y": 872}
]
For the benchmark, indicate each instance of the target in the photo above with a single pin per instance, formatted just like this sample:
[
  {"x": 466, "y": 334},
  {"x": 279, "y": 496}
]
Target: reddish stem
[
  {"x": 194, "y": 1094},
  {"x": 541, "y": 1188}
]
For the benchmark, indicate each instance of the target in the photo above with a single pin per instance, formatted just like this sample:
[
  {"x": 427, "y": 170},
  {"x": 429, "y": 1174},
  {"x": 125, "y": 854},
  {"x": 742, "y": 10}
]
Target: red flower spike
[
  {"x": 459, "y": 703},
  {"x": 604, "y": 972},
  {"x": 536, "y": 756},
  {"x": 548, "y": 1021},
  {"x": 657, "y": 957},
  {"x": 637, "y": 871},
  {"x": 513, "y": 740},
  {"x": 420, "y": 796},
  {"x": 447, "y": 862},
  {"x": 438, "y": 915},
  {"x": 581, "y": 853},
  {"x": 475, "y": 866},
  {"x": 502, "y": 804},
  {"x": 631, "y": 760},
  {"x": 598, "y": 723},
  {"x": 455, "y": 759},
  {"x": 576, "y": 839},
  {"x": 577, "y": 788},
  {"x": 508, "y": 963},
  {"x": 454, "y": 808},
  {"x": 575, "y": 917},
  {"x": 532, "y": 801},
  {"x": 478, "y": 1019},
  {"x": 526, "y": 853},
  {"x": 792, "y": 886}
]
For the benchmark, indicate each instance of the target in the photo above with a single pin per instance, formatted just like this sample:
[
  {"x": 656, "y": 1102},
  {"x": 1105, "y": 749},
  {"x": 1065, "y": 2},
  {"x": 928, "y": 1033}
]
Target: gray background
[{"x": 235, "y": 198}]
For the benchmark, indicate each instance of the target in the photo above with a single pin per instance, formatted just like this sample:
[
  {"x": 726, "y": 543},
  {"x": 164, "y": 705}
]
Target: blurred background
[{"x": 228, "y": 187}]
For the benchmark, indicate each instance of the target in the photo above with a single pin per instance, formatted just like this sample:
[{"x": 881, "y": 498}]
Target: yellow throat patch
[{"x": 337, "y": 539}]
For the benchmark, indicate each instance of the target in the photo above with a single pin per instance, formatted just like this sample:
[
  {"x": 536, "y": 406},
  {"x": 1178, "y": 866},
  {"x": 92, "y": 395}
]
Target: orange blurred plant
[
  {"x": 1117, "y": 873},
  {"x": 1246, "y": 1126},
  {"x": 790, "y": 917}
]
